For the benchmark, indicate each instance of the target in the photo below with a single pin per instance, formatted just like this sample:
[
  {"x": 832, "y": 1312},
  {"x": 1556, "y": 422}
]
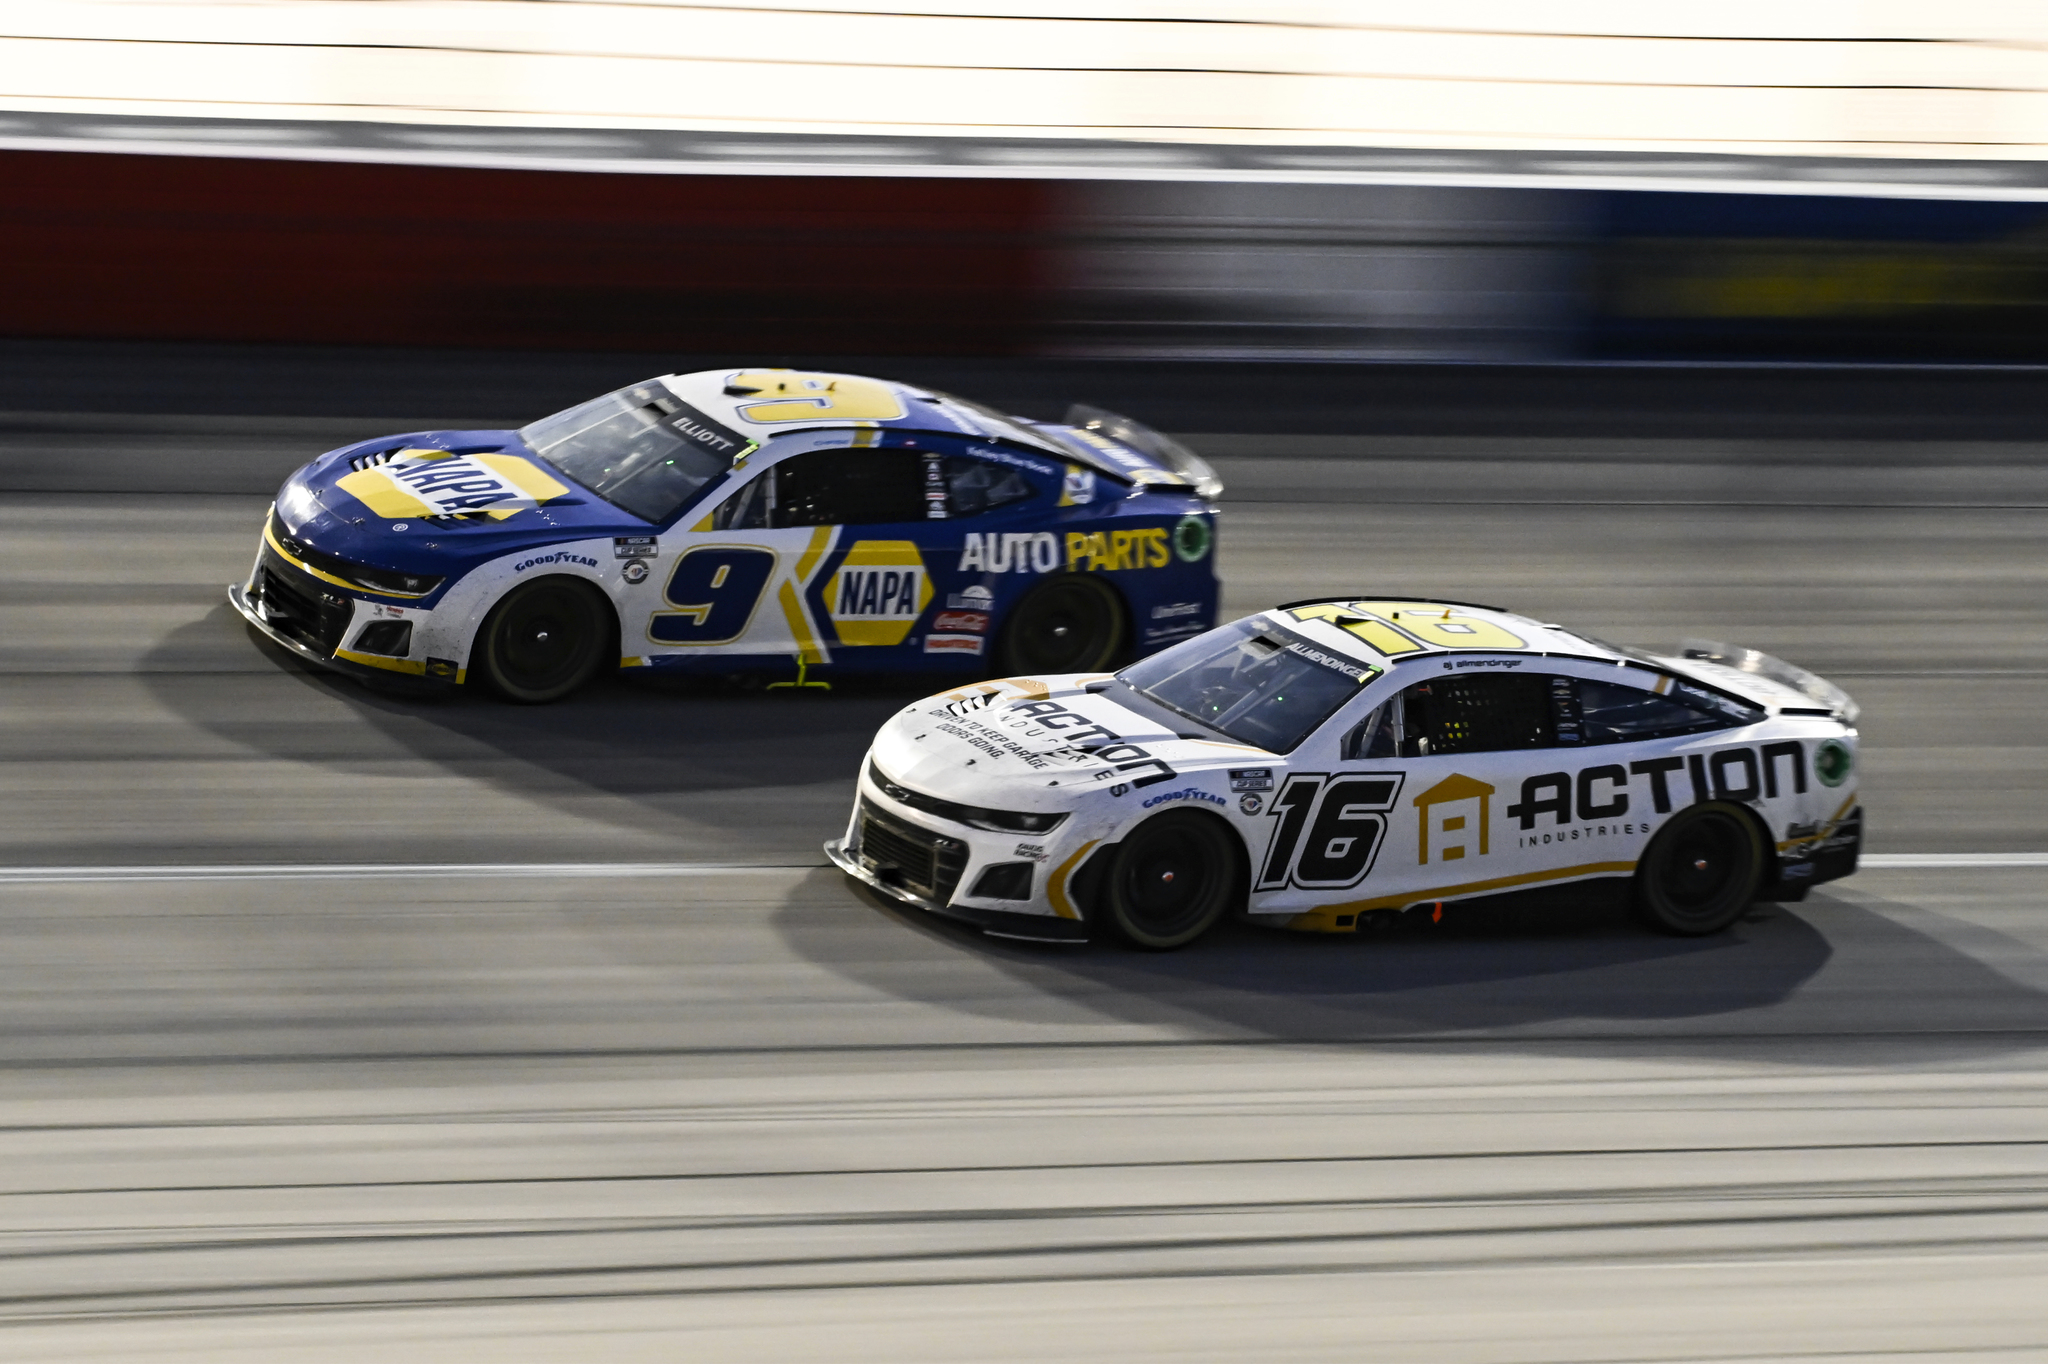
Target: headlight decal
[{"x": 974, "y": 816}]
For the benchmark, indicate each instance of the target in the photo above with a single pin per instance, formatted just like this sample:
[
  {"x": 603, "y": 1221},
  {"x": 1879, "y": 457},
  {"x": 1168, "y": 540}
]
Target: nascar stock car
[
  {"x": 738, "y": 521},
  {"x": 1328, "y": 761}
]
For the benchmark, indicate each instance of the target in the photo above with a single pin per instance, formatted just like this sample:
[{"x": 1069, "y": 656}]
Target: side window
[
  {"x": 748, "y": 508},
  {"x": 849, "y": 488},
  {"x": 1375, "y": 736},
  {"x": 974, "y": 486},
  {"x": 1479, "y": 713},
  {"x": 1618, "y": 714}
]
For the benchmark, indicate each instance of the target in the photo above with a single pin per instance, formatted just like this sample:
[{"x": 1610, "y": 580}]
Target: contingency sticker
[{"x": 414, "y": 483}]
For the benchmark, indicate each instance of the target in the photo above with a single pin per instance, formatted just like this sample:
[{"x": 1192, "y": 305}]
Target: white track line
[
  {"x": 397, "y": 871},
  {"x": 1956, "y": 861},
  {"x": 392, "y": 871}
]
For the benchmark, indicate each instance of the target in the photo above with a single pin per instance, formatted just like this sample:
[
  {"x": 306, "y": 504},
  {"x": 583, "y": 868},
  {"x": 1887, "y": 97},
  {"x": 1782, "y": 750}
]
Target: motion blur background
[
  {"x": 334, "y": 1025},
  {"x": 1480, "y": 180}
]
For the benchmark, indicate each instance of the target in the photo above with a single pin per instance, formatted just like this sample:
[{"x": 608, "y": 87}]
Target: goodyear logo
[
  {"x": 420, "y": 483},
  {"x": 541, "y": 559},
  {"x": 879, "y": 592}
]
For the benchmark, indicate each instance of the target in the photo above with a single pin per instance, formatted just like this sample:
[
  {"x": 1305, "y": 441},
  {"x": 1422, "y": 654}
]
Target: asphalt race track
[{"x": 339, "y": 1026}]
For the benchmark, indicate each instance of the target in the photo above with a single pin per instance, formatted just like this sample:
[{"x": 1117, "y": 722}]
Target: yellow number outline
[
  {"x": 1406, "y": 627},
  {"x": 793, "y": 396}
]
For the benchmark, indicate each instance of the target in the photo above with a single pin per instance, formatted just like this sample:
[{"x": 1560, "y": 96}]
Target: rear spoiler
[{"x": 1097, "y": 433}]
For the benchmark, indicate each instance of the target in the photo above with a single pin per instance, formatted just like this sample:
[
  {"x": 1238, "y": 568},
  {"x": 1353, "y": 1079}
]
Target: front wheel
[
  {"x": 1170, "y": 881},
  {"x": 544, "y": 640},
  {"x": 1701, "y": 871},
  {"x": 1067, "y": 624}
]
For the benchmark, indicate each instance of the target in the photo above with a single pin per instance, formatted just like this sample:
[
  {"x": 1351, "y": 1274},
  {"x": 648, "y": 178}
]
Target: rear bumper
[
  {"x": 994, "y": 922},
  {"x": 1833, "y": 858}
]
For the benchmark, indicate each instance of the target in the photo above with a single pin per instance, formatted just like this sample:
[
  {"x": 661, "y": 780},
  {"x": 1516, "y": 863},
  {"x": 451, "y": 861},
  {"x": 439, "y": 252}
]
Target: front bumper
[
  {"x": 994, "y": 922},
  {"x": 339, "y": 660}
]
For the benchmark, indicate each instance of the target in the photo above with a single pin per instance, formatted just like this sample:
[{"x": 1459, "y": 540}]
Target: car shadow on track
[
  {"x": 1823, "y": 969},
  {"x": 700, "y": 770}
]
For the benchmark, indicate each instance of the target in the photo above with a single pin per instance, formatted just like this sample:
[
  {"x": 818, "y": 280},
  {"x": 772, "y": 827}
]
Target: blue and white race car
[{"x": 737, "y": 521}]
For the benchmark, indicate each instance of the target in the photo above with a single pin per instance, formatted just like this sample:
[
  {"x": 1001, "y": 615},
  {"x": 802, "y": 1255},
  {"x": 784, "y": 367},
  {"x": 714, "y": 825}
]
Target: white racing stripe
[
  {"x": 256, "y": 871},
  {"x": 343, "y": 871}
]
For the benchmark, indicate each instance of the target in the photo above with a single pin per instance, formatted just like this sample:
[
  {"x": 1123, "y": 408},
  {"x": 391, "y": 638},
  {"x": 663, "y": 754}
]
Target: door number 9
[{"x": 712, "y": 592}]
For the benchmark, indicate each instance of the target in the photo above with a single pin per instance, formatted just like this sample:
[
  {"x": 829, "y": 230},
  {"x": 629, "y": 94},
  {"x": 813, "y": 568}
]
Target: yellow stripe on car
[
  {"x": 416, "y": 667},
  {"x": 1825, "y": 830},
  {"x": 1056, "y": 884},
  {"x": 270, "y": 538},
  {"x": 1323, "y": 919}
]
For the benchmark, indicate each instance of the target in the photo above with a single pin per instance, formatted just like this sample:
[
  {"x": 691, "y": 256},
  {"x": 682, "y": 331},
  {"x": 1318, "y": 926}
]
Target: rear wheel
[
  {"x": 544, "y": 640},
  {"x": 1701, "y": 871},
  {"x": 1171, "y": 880},
  {"x": 1067, "y": 624}
]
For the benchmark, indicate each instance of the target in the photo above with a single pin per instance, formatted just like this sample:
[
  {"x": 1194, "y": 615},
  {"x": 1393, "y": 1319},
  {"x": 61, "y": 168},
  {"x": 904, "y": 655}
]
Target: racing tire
[
  {"x": 1701, "y": 871},
  {"x": 1170, "y": 880},
  {"x": 544, "y": 640},
  {"x": 1067, "y": 624}
]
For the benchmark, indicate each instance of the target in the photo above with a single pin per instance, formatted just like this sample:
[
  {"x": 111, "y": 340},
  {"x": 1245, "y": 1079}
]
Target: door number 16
[{"x": 1328, "y": 829}]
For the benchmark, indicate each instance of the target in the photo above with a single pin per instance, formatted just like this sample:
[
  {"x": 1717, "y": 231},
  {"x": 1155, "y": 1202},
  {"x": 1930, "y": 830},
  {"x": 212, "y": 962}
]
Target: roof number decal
[
  {"x": 1393, "y": 628},
  {"x": 787, "y": 395}
]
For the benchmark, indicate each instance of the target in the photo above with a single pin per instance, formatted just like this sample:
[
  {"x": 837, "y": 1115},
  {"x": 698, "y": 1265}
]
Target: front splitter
[
  {"x": 995, "y": 923},
  {"x": 238, "y": 597}
]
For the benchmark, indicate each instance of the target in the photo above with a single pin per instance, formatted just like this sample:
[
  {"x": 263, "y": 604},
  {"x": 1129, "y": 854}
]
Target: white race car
[{"x": 1327, "y": 761}]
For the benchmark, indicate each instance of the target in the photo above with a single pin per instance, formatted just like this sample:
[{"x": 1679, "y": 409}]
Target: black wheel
[
  {"x": 544, "y": 640},
  {"x": 1171, "y": 880},
  {"x": 1701, "y": 871},
  {"x": 1067, "y": 624}
]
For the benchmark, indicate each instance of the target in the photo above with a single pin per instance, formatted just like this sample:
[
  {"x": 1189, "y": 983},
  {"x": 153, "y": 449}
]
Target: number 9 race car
[
  {"x": 1327, "y": 761},
  {"x": 740, "y": 520}
]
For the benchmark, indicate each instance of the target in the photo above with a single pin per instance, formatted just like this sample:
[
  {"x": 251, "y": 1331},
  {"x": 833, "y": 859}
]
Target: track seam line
[{"x": 257, "y": 871}]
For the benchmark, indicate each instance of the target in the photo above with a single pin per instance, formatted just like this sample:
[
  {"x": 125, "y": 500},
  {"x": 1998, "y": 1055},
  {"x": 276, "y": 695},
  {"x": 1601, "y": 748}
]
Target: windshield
[
  {"x": 1252, "y": 681},
  {"x": 639, "y": 449}
]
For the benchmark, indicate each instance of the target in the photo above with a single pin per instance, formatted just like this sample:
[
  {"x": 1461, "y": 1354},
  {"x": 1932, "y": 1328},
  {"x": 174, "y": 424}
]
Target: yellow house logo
[
  {"x": 1450, "y": 815},
  {"x": 878, "y": 593}
]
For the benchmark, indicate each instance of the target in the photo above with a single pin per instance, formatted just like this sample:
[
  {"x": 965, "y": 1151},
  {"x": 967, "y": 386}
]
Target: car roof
[
  {"x": 761, "y": 403},
  {"x": 1388, "y": 631}
]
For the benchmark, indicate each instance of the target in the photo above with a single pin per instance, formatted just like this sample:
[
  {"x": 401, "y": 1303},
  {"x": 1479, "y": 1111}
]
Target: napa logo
[
  {"x": 421, "y": 483},
  {"x": 879, "y": 591}
]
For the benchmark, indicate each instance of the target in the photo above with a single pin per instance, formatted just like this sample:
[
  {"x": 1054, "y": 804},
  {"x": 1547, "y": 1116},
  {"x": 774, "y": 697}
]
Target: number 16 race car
[
  {"x": 1328, "y": 761},
  {"x": 735, "y": 521}
]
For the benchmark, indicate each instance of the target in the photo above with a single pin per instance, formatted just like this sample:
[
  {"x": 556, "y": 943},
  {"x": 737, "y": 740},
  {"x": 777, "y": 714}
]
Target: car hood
[
  {"x": 1035, "y": 745},
  {"x": 471, "y": 496}
]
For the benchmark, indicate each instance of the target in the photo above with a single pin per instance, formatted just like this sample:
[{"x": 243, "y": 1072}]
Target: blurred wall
[
  {"x": 236, "y": 249},
  {"x": 1337, "y": 271},
  {"x": 1756, "y": 276},
  {"x": 117, "y": 246}
]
